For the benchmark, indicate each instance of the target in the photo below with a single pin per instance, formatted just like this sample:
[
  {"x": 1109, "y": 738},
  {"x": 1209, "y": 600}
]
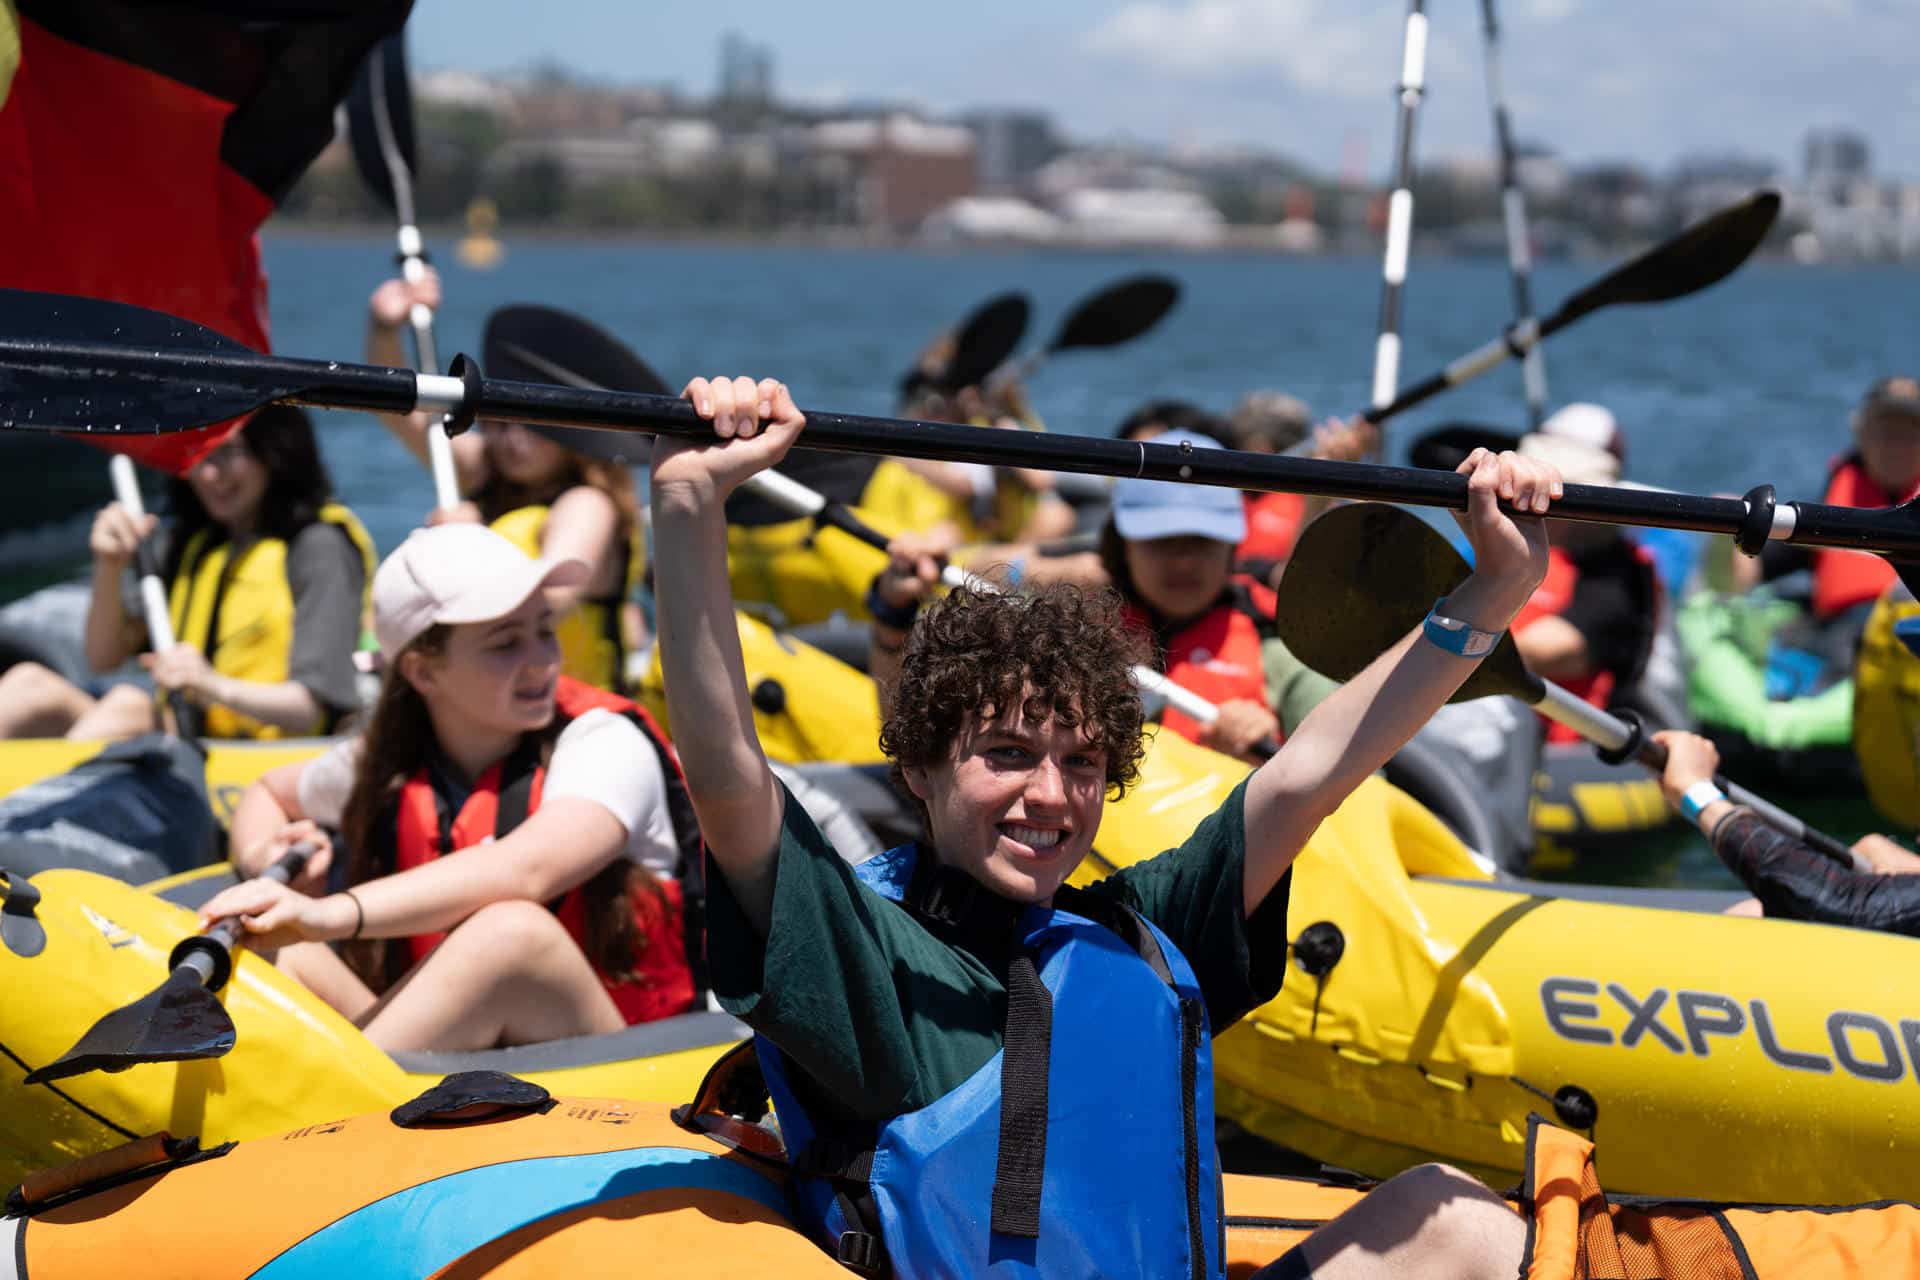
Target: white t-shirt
[{"x": 602, "y": 757}]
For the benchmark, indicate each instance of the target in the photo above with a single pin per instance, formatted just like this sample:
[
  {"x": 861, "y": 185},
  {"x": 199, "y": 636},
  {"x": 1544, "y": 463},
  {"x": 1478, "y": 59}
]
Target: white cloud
[{"x": 1319, "y": 45}]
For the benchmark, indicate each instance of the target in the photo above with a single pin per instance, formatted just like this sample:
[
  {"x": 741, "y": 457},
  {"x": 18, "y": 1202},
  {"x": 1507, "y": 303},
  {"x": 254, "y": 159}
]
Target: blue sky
[{"x": 1312, "y": 78}]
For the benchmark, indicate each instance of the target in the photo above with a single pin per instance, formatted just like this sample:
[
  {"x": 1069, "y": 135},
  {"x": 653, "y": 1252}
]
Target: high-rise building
[
  {"x": 1836, "y": 160},
  {"x": 1010, "y": 146},
  {"x": 746, "y": 71}
]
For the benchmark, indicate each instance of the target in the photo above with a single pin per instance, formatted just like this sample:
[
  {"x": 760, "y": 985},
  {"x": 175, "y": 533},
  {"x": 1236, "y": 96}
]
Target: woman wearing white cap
[{"x": 516, "y": 836}]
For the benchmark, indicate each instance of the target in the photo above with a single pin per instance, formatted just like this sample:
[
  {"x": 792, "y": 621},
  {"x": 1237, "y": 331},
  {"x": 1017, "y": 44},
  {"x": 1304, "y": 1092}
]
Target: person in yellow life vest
[
  {"x": 1882, "y": 470},
  {"x": 267, "y": 579},
  {"x": 1591, "y": 625},
  {"x": 518, "y": 839},
  {"x": 551, "y": 491}
]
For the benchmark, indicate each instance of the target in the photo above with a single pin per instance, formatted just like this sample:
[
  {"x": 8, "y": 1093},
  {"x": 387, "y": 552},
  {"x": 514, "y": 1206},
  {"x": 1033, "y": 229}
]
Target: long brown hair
[{"x": 396, "y": 744}]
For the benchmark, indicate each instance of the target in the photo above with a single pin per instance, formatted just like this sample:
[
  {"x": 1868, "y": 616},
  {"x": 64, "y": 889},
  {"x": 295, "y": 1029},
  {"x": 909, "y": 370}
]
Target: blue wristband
[
  {"x": 896, "y": 617},
  {"x": 1697, "y": 797},
  {"x": 1456, "y": 637}
]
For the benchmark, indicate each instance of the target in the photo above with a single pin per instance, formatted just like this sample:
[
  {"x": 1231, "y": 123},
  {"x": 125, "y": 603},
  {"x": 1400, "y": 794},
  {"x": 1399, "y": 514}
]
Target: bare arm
[
  {"x": 111, "y": 635},
  {"x": 1554, "y": 649},
  {"x": 734, "y": 792},
  {"x": 583, "y": 525},
  {"x": 1357, "y": 728},
  {"x": 387, "y": 312}
]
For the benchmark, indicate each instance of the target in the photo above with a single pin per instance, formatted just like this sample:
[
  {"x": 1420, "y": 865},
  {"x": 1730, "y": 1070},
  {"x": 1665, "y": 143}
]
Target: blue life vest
[{"x": 1084, "y": 1147}]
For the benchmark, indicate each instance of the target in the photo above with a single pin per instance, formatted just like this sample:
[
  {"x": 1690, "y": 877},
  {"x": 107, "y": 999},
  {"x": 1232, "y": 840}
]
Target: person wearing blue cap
[
  {"x": 1169, "y": 550},
  {"x": 1787, "y": 877}
]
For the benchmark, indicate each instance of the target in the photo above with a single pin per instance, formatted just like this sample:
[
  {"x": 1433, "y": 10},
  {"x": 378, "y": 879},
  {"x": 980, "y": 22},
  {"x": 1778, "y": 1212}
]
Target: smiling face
[
  {"x": 1016, "y": 804},
  {"x": 1180, "y": 577},
  {"x": 523, "y": 456},
  {"x": 492, "y": 677},
  {"x": 231, "y": 484}
]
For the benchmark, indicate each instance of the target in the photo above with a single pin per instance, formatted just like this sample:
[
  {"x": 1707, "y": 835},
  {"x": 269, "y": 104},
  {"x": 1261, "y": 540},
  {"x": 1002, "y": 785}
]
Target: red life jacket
[
  {"x": 1218, "y": 656},
  {"x": 1843, "y": 579},
  {"x": 667, "y": 955},
  {"x": 1552, "y": 597},
  {"x": 1273, "y": 522}
]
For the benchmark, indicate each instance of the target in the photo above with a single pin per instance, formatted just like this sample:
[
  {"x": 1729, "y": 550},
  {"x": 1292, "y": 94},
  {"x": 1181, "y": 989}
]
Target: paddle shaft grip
[
  {"x": 1612, "y": 734},
  {"x": 210, "y": 955}
]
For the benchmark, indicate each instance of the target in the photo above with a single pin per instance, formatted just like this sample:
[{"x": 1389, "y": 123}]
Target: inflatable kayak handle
[{"x": 209, "y": 956}]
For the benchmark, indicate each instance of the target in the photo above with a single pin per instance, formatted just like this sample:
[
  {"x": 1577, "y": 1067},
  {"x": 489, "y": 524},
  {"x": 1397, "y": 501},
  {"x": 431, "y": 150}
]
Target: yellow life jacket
[
  {"x": 592, "y": 648},
  {"x": 1886, "y": 711},
  {"x": 903, "y": 499},
  {"x": 251, "y": 603}
]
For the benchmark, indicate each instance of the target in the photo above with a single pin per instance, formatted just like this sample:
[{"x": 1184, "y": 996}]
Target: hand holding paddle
[
  {"x": 1362, "y": 576},
  {"x": 182, "y": 1018}
]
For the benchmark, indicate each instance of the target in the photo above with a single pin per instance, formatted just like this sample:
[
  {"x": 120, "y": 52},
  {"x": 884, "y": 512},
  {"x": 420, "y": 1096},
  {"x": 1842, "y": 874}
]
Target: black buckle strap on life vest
[
  {"x": 1020, "y": 1166},
  {"x": 515, "y": 801},
  {"x": 467, "y": 1097}
]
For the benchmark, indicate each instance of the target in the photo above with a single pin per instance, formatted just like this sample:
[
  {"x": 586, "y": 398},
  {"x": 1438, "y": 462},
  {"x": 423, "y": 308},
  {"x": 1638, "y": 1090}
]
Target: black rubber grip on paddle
[{"x": 1757, "y": 525}]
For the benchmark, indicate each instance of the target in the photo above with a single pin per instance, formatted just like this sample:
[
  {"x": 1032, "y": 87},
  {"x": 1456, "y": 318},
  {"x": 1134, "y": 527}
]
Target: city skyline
[{"x": 1311, "y": 79}]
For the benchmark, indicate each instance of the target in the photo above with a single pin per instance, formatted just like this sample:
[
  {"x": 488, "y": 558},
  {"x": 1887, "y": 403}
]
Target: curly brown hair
[{"x": 973, "y": 654}]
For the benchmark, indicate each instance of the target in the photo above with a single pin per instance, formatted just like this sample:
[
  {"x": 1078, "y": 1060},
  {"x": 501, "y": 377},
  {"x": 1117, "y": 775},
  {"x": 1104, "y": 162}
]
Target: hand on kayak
[
  {"x": 393, "y": 301},
  {"x": 914, "y": 564},
  {"x": 275, "y": 915},
  {"x": 269, "y": 851},
  {"x": 1690, "y": 759},
  {"x": 117, "y": 535},
  {"x": 1509, "y": 552},
  {"x": 182, "y": 669},
  {"x": 754, "y": 424},
  {"x": 1242, "y": 725}
]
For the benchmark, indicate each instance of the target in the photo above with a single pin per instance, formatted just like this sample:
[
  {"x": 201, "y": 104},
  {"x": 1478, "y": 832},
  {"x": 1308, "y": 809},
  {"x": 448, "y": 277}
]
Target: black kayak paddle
[
  {"x": 1363, "y": 576},
  {"x": 181, "y": 1019}
]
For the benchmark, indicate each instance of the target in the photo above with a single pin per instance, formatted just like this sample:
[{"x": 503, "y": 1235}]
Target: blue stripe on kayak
[{"x": 415, "y": 1232}]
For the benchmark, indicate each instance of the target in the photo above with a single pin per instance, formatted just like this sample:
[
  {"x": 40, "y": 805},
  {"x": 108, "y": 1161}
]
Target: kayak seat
[{"x": 701, "y": 1029}]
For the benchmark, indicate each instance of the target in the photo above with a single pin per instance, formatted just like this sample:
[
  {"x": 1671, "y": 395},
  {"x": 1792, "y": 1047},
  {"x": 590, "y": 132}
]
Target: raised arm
[
  {"x": 1355, "y": 730},
  {"x": 733, "y": 790},
  {"x": 387, "y": 312}
]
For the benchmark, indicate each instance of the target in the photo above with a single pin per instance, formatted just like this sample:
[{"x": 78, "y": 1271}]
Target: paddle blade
[
  {"x": 1363, "y": 576},
  {"x": 67, "y": 374},
  {"x": 1445, "y": 447},
  {"x": 530, "y": 343},
  {"x": 1705, "y": 253},
  {"x": 380, "y": 119},
  {"x": 1117, "y": 314},
  {"x": 985, "y": 340},
  {"x": 178, "y": 1021}
]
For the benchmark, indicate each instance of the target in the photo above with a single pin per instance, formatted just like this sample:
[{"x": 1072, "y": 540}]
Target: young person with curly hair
[{"x": 974, "y": 1066}]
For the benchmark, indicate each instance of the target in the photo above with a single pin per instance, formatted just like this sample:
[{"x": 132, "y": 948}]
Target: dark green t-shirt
[{"x": 883, "y": 1016}]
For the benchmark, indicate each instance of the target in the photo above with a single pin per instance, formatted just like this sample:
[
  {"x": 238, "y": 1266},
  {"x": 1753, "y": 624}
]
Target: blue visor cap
[
  {"x": 1147, "y": 509},
  {"x": 1908, "y": 629}
]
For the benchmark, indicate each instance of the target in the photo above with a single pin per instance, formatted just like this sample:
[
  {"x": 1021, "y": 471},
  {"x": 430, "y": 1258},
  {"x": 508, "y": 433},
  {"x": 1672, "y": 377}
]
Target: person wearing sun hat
[
  {"x": 1591, "y": 625},
  {"x": 486, "y": 786}
]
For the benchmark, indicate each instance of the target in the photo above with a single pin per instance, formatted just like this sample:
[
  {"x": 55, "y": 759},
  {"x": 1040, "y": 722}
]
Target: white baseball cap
[
  {"x": 456, "y": 573},
  {"x": 1589, "y": 424}
]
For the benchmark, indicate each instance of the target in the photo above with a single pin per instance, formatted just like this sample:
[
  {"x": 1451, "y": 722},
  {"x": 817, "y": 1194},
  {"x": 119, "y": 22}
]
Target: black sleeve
[
  {"x": 1795, "y": 883},
  {"x": 328, "y": 580},
  {"x": 1608, "y": 614}
]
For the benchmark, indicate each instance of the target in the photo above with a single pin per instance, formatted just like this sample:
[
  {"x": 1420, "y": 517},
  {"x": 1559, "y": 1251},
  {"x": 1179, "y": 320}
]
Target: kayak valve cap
[
  {"x": 1319, "y": 948},
  {"x": 20, "y": 930},
  {"x": 1575, "y": 1107},
  {"x": 769, "y": 697}
]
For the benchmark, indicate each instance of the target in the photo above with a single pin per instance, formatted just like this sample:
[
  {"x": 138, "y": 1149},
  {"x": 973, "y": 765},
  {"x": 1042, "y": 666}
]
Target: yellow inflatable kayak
[
  {"x": 232, "y": 764},
  {"x": 1709, "y": 1055}
]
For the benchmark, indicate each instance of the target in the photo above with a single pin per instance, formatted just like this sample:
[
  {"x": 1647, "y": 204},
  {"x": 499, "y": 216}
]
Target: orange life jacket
[
  {"x": 1218, "y": 656},
  {"x": 1273, "y": 522},
  {"x": 1552, "y": 598},
  {"x": 1843, "y": 579},
  {"x": 668, "y": 945}
]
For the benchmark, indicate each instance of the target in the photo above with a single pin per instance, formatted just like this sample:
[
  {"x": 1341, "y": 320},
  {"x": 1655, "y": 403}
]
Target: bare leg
[
  {"x": 124, "y": 711},
  {"x": 315, "y": 966},
  {"x": 508, "y": 974},
  {"x": 37, "y": 702},
  {"x": 1432, "y": 1222},
  {"x": 1746, "y": 907}
]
